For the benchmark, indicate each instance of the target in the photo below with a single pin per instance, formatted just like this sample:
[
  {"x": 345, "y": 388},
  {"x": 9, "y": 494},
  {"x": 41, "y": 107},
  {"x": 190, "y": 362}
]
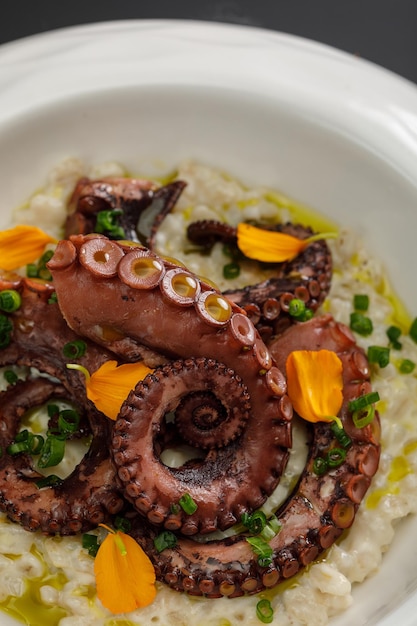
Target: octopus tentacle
[
  {"x": 167, "y": 308},
  {"x": 142, "y": 204},
  {"x": 316, "y": 513},
  {"x": 89, "y": 495},
  {"x": 229, "y": 474},
  {"x": 307, "y": 277}
]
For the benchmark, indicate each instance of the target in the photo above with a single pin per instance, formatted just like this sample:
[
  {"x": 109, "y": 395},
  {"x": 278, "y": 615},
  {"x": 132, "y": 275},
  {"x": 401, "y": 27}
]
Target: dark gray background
[{"x": 382, "y": 31}]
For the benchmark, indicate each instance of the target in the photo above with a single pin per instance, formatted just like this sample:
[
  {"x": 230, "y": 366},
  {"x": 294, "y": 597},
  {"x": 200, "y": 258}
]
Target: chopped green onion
[
  {"x": 90, "y": 543},
  {"x": 32, "y": 270},
  {"x": 320, "y": 466},
  {"x": 6, "y": 328},
  {"x": 107, "y": 223},
  {"x": 413, "y": 330},
  {"x": 52, "y": 452},
  {"x": 68, "y": 421},
  {"x": 49, "y": 481},
  {"x": 363, "y": 417},
  {"x": 254, "y": 522},
  {"x": 36, "y": 443},
  {"x": 53, "y": 409},
  {"x": 54, "y": 298},
  {"x": 166, "y": 539},
  {"x": 361, "y": 302},
  {"x": 406, "y": 366},
  {"x": 262, "y": 549},
  {"x": 231, "y": 270},
  {"x": 379, "y": 355},
  {"x": 275, "y": 524},
  {"x": 296, "y": 308},
  {"x": 122, "y": 523},
  {"x": 174, "y": 508},
  {"x": 10, "y": 377},
  {"x": 341, "y": 435},
  {"x": 264, "y": 611},
  {"x": 363, "y": 401},
  {"x": 17, "y": 447},
  {"x": 187, "y": 504},
  {"x": 361, "y": 324},
  {"x": 393, "y": 334},
  {"x": 43, "y": 271},
  {"x": 335, "y": 457},
  {"x": 74, "y": 349},
  {"x": 10, "y": 300}
]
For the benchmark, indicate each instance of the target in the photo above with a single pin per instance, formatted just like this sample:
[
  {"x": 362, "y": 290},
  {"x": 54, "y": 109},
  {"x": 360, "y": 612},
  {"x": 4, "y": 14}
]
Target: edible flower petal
[
  {"x": 272, "y": 246},
  {"x": 109, "y": 386},
  {"x": 315, "y": 383},
  {"x": 125, "y": 576},
  {"x": 22, "y": 245}
]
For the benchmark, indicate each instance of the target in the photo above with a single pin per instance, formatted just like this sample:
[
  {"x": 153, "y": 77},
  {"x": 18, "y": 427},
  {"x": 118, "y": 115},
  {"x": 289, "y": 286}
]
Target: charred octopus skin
[
  {"x": 136, "y": 207},
  {"x": 307, "y": 277},
  {"x": 127, "y": 291},
  {"x": 320, "y": 508},
  {"x": 89, "y": 494}
]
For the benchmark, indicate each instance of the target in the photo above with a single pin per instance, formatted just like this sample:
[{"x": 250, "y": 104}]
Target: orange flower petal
[
  {"x": 315, "y": 383},
  {"x": 109, "y": 386},
  {"x": 268, "y": 245},
  {"x": 125, "y": 577},
  {"x": 22, "y": 245}
]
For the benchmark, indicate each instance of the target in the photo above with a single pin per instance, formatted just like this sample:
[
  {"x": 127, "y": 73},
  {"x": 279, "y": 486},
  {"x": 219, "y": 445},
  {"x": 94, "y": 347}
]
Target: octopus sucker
[{"x": 198, "y": 328}]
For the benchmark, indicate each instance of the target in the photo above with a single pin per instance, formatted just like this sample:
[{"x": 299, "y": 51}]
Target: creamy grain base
[{"x": 62, "y": 587}]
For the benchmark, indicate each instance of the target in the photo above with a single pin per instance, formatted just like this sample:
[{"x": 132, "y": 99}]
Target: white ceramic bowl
[{"x": 335, "y": 132}]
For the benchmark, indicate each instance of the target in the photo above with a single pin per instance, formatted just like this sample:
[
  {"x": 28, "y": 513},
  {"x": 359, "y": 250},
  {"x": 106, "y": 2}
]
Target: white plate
[{"x": 335, "y": 132}]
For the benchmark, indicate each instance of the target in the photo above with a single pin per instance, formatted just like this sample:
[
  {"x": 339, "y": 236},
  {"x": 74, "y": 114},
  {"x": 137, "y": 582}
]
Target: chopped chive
[
  {"x": 52, "y": 409},
  {"x": 10, "y": 300},
  {"x": 10, "y": 377},
  {"x": 231, "y": 270},
  {"x": 335, "y": 457},
  {"x": 49, "y": 481},
  {"x": 320, "y": 466},
  {"x": 341, "y": 435},
  {"x": 90, "y": 543},
  {"x": 68, "y": 421},
  {"x": 174, "y": 508},
  {"x": 379, "y": 355},
  {"x": 187, "y": 504},
  {"x": 413, "y": 330},
  {"x": 363, "y": 417},
  {"x": 166, "y": 539},
  {"x": 361, "y": 324},
  {"x": 363, "y": 401},
  {"x": 52, "y": 452},
  {"x": 393, "y": 334},
  {"x": 6, "y": 328},
  {"x": 254, "y": 522},
  {"x": 406, "y": 366},
  {"x": 17, "y": 447},
  {"x": 264, "y": 611},
  {"x": 361, "y": 302},
  {"x": 54, "y": 298},
  {"x": 260, "y": 547},
  {"x": 107, "y": 223},
  {"x": 32, "y": 270},
  {"x": 296, "y": 308},
  {"x": 74, "y": 349},
  {"x": 122, "y": 523}
]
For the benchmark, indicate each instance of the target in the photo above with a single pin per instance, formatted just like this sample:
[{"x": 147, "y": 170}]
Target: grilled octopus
[{"x": 218, "y": 386}]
